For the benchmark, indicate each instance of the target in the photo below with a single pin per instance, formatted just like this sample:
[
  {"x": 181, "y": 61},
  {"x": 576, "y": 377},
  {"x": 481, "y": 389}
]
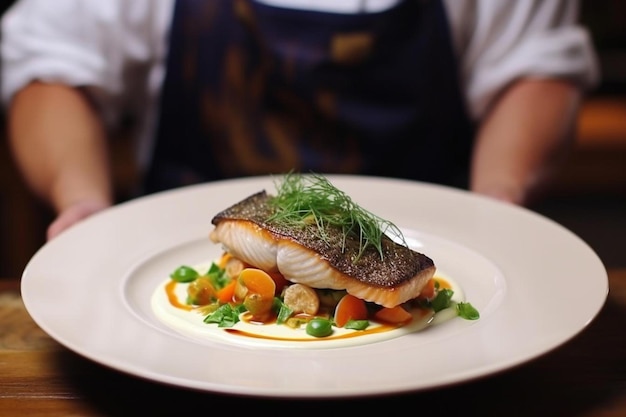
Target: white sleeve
[
  {"x": 500, "y": 41},
  {"x": 97, "y": 44}
]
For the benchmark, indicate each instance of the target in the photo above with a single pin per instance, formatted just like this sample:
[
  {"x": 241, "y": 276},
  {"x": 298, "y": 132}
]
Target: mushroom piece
[{"x": 301, "y": 299}]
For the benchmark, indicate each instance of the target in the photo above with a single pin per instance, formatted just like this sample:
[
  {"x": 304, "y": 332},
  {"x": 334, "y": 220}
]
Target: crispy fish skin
[{"x": 302, "y": 256}]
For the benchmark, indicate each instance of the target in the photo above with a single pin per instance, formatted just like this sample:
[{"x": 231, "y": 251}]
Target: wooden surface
[{"x": 585, "y": 377}]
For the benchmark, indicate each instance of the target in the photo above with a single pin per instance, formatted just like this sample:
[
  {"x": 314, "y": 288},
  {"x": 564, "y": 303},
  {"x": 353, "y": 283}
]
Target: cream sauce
[{"x": 169, "y": 306}]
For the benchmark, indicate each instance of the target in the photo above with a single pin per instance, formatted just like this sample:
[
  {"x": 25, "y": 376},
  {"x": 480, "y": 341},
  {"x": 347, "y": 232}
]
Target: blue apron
[{"x": 253, "y": 89}]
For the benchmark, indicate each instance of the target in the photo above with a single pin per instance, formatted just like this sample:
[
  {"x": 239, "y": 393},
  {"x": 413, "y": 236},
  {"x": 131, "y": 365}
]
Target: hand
[
  {"x": 524, "y": 139},
  {"x": 505, "y": 195},
  {"x": 73, "y": 214},
  {"x": 512, "y": 192}
]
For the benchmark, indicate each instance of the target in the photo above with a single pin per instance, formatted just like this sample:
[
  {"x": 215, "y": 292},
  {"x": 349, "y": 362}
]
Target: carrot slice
[
  {"x": 349, "y": 308},
  {"x": 258, "y": 282},
  {"x": 393, "y": 315},
  {"x": 226, "y": 293},
  {"x": 224, "y": 259},
  {"x": 255, "y": 289}
]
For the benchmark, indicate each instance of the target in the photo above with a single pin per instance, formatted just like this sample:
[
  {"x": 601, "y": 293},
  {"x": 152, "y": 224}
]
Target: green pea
[
  {"x": 319, "y": 327},
  {"x": 184, "y": 274}
]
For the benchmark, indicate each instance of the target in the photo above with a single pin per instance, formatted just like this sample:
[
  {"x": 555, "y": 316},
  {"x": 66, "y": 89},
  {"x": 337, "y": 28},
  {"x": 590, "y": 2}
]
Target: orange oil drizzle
[{"x": 171, "y": 296}]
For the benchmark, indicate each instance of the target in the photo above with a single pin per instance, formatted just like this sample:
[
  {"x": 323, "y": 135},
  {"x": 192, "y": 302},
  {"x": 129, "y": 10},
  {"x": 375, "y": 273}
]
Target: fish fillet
[{"x": 302, "y": 256}]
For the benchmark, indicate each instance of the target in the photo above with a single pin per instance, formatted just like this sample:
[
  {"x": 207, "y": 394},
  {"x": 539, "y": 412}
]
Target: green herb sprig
[{"x": 304, "y": 200}]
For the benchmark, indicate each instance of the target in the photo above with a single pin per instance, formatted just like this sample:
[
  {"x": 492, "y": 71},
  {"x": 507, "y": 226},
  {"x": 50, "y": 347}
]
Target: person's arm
[
  {"x": 58, "y": 141},
  {"x": 523, "y": 139}
]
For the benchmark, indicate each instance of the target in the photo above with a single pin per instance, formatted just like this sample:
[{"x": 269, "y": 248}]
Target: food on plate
[{"x": 310, "y": 258}]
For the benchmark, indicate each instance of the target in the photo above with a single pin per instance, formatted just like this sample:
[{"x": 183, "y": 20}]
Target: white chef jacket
[{"x": 117, "y": 48}]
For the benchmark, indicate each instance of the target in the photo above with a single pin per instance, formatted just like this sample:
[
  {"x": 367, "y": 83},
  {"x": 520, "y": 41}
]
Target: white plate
[{"x": 536, "y": 285}]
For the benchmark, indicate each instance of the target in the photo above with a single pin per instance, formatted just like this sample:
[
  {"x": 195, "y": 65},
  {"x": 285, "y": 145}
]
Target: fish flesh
[{"x": 336, "y": 262}]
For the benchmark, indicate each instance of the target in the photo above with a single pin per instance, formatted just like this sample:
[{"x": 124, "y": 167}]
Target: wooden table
[{"x": 585, "y": 377}]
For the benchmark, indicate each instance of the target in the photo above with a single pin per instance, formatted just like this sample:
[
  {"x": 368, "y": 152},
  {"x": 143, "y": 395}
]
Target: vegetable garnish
[
  {"x": 184, "y": 273},
  {"x": 226, "y": 315},
  {"x": 467, "y": 311},
  {"x": 319, "y": 327},
  {"x": 250, "y": 295},
  {"x": 305, "y": 200},
  {"x": 441, "y": 299}
]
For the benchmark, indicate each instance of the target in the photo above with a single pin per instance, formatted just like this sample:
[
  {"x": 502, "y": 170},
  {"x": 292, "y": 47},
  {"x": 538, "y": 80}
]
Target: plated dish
[{"x": 91, "y": 289}]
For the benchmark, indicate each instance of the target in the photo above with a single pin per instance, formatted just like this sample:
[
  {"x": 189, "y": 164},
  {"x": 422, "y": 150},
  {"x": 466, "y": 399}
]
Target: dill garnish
[{"x": 305, "y": 200}]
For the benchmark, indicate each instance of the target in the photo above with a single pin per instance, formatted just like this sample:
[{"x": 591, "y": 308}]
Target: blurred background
[{"x": 589, "y": 197}]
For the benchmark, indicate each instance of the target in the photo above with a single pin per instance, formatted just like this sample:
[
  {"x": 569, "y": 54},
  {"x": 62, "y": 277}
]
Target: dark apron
[{"x": 252, "y": 89}]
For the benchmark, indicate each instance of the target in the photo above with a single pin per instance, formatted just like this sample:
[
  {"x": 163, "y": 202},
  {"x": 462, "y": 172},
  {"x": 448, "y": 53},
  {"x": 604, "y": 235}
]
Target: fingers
[
  {"x": 72, "y": 215},
  {"x": 505, "y": 194}
]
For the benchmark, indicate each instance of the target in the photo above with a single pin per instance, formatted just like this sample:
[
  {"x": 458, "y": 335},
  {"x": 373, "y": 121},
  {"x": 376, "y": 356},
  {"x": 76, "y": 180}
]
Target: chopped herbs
[
  {"x": 225, "y": 316},
  {"x": 357, "y": 324},
  {"x": 284, "y": 312},
  {"x": 218, "y": 276},
  {"x": 467, "y": 311},
  {"x": 442, "y": 299}
]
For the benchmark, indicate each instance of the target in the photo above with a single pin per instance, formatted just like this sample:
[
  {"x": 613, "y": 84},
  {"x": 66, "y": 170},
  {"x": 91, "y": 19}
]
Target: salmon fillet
[{"x": 301, "y": 256}]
